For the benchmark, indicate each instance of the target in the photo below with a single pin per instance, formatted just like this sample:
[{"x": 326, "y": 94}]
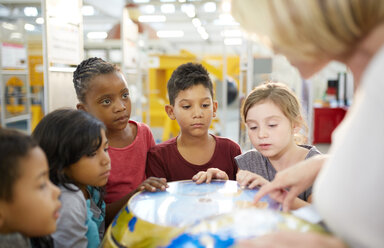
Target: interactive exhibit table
[{"x": 198, "y": 215}]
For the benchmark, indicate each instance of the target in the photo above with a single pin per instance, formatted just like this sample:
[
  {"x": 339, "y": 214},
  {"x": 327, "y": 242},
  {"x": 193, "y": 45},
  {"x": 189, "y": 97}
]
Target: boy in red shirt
[{"x": 190, "y": 94}]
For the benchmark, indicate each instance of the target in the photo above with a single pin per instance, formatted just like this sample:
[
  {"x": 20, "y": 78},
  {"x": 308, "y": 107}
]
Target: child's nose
[
  {"x": 262, "y": 133},
  {"x": 55, "y": 191},
  {"x": 120, "y": 106},
  {"x": 197, "y": 112}
]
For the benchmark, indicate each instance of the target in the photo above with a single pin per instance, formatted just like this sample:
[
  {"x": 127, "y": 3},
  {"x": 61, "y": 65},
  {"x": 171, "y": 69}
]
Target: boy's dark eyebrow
[
  {"x": 125, "y": 89},
  {"x": 42, "y": 174},
  {"x": 104, "y": 96},
  {"x": 205, "y": 98}
]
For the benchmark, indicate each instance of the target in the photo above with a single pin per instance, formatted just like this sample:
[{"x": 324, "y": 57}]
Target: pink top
[{"x": 128, "y": 164}]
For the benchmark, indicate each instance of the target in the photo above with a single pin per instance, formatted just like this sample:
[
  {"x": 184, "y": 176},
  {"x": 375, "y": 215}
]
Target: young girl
[
  {"x": 77, "y": 150},
  {"x": 102, "y": 91},
  {"x": 29, "y": 202},
  {"x": 273, "y": 117}
]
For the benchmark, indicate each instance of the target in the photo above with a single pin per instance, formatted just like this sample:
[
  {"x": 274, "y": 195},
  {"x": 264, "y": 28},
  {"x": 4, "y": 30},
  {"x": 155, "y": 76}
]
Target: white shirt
[{"x": 348, "y": 192}]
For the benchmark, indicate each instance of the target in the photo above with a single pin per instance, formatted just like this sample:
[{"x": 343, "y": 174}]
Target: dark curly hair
[
  {"x": 87, "y": 70},
  {"x": 184, "y": 77}
]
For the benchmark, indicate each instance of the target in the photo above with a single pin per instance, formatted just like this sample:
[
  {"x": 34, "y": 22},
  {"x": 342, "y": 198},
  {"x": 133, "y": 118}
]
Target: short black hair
[
  {"x": 184, "y": 77},
  {"x": 66, "y": 135},
  {"x": 88, "y": 69},
  {"x": 14, "y": 146}
]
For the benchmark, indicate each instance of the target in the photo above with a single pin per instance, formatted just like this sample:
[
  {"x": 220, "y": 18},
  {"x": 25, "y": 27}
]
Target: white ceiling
[{"x": 108, "y": 13}]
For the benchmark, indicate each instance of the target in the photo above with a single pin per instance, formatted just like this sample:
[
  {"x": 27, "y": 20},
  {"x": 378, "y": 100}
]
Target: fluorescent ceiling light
[
  {"x": 233, "y": 41},
  {"x": 210, "y": 7},
  {"x": 170, "y": 34},
  {"x": 188, "y": 9},
  {"x": 147, "y": 9},
  {"x": 97, "y": 35},
  {"x": 232, "y": 33},
  {"x": 141, "y": 1},
  {"x": 226, "y": 7},
  {"x": 87, "y": 10},
  {"x": 30, "y": 11},
  {"x": 225, "y": 20},
  {"x": 16, "y": 35},
  {"x": 29, "y": 27},
  {"x": 196, "y": 22},
  {"x": 39, "y": 20},
  {"x": 167, "y": 1},
  {"x": 8, "y": 26},
  {"x": 152, "y": 18},
  {"x": 167, "y": 8}
]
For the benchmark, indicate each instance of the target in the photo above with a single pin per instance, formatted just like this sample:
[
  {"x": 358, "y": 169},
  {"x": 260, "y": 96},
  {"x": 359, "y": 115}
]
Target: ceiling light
[
  {"x": 141, "y": 1},
  {"x": 152, "y": 18},
  {"x": 167, "y": 8},
  {"x": 204, "y": 36},
  {"x": 29, "y": 27},
  {"x": 170, "y": 34},
  {"x": 210, "y": 7},
  {"x": 39, "y": 20},
  {"x": 167, "y": 1},
  {"x": 233, "y": 41},
  {"x": 226, "y": 7},
  {"x": 189, "y": 10},
  {"x": 30, "y": 11},
  {"x": 182, "y": 1},
  {"x": 147, "y": 9},
  {"x": 8, "y": 26},
  {"x": 196, "y": 22},
  {"x": 97, "y": 35},
  {"x": 225, "y": 19},
  {"x": 232, "y": 33},
  {"x": 88, "y": 10},
  {"x": 16, "y": 35}
]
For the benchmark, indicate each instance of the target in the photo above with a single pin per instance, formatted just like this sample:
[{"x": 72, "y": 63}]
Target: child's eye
[
  {"x": 206, "y": 105},
  {"x": 272, "y": 125},
  {"x": 186, "y": 107},
  {"x": 106, "y": 102},
  {"x": 91, "y": 154},
  {"x": 252, "y": 128},
  {"x": 43, "y": 185},
  {"x": 125, "y": 95}
]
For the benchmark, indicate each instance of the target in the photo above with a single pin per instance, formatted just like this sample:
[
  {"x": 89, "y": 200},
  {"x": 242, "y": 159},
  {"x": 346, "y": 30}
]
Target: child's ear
[
  {"x": 215, "y": 104},
  {"x": 80, "y": 106},
  {"x": 169, "y": 110}
]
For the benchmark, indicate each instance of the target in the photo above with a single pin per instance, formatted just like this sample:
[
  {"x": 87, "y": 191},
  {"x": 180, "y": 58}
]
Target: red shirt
[
  {"x": 165, "y": 160},
  {"x": 128, "y": 164}
]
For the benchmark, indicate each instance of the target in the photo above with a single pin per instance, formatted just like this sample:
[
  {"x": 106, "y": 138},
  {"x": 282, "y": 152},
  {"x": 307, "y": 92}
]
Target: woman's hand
[
  {"x": 289, "y": 183},
  {"x": 249, "y": 179},
  {"x": 152, "y": 184},
  {"x": 207, "y": 176},
  {"x": 293, "y": 239}
]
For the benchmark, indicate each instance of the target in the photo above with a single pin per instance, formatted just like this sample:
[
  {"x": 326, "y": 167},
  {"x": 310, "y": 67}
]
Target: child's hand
[
  {"x": 152, "y": 184},
  {"x": 249, "y": 179},
  {"x": 207, "y": 176}
]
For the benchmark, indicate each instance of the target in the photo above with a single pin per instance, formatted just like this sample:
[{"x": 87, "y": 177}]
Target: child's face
[
  {"x": 269, "y": 130},
  {"x": 35, "y": 204},
  {"x": 108, "y": 99},
  {"x": 92, "y": 170},
  {"x": 194, "y": 110}
]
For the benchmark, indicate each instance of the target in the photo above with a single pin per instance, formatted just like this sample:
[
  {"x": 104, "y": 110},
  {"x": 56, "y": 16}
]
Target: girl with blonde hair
[{"x": 272, "y": 114}]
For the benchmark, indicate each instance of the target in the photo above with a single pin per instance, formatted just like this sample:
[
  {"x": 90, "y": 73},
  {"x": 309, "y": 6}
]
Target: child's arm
[
  {"x": 151, "y": 184},
  {"x": 207, "y": 176}
]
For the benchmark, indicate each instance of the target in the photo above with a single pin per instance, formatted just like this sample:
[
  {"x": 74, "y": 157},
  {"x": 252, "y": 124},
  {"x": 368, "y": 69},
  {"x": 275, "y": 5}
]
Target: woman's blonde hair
[
  {"x": 284, "y": 98},
  {"x": 310, "y": 29}
]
